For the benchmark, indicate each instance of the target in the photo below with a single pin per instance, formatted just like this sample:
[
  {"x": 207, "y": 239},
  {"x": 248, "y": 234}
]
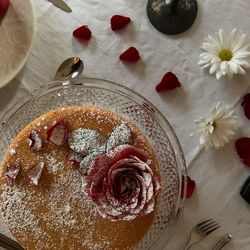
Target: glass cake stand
[{"x": 136, "y": 109}]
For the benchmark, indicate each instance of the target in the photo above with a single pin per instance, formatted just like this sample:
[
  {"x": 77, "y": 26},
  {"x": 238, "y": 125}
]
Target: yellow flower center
[{"x": 226, "y": 55}]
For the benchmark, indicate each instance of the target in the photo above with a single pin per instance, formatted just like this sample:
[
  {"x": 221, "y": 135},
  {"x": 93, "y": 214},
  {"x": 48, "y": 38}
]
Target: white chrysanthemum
[
  {"x": 226, "y": 54},
  {"x": 216, "y": 130}
]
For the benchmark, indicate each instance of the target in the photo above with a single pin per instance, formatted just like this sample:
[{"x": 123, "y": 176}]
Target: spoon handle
[
  {"x": 222, "y": 242},
  {"x": 9, "y": 244}
]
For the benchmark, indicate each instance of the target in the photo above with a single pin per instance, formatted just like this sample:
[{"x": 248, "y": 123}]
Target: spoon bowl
[{"x": 70, "y": 69}]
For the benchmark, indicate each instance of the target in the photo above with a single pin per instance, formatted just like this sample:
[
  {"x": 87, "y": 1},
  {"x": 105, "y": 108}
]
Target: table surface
[{"x": 218, "y": 173}]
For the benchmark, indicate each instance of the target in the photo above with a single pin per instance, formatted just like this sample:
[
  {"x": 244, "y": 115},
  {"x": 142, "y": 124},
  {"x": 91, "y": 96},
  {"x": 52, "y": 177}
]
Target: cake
[{"x": 79, "y": 177}]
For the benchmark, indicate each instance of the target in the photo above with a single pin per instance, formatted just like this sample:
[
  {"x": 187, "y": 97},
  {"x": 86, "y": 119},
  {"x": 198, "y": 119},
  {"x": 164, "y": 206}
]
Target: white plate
[{"x": 17, "y": 32}]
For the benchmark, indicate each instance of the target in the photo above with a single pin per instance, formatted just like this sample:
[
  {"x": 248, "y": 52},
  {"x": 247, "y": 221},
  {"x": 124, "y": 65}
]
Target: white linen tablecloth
[{"x": 218, "y": 173}]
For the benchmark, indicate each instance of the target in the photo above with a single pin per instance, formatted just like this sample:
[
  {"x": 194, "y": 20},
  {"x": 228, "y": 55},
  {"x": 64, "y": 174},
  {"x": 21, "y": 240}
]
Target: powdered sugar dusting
[
  {"x": 61, "y": 211},
  {"x": 12, "y": 151},
  {"x": 19, "y": 215},
  {"x": 53, "y": 165},
  {"x": 56, "y": 214},
  {"x": 121, "y": 134}
]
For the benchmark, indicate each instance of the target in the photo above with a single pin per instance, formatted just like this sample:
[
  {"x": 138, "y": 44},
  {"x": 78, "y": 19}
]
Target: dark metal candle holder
[{"x": 172, "y": 16}]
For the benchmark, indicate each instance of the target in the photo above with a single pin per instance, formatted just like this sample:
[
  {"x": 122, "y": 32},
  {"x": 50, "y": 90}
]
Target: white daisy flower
[
  {"x": 226, "y": 54},
  {"x": 216, "y": 130}
]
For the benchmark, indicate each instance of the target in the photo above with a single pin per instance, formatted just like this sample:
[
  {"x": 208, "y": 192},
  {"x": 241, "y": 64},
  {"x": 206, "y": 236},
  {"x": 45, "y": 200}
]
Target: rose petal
[
  {"x": 190, "y": 187},
  {"x": 12, "y": 171},
  {"x": 132, "y": 206},
  {"x": 100, "y": 166},
  {"x": 124, "y": 151},
  {"x": 119, "y": 22},
  {"x": 35, "y": 173},
  {"x": 83, "y": 33},
  {"x": 95, "y": 179},
  {"x": 246, "y": 98},
  {"x": 121, "y": 165},
  {"x": 74, "y": 158},
  {"x": 150, "y": 192},
  {"x": 157, "y": 184},
  {"x": 121, "y": 183},
  {"x": 243, "y": 149},
  {"x": 4, "y": 6},
  {"x": 35, "y": 140},
  {"x": 142, "y": 197},
  {"x": 247, "y": 110},
  {"x": 149, "y": 207},
  {"x": 168, "y": 82},
  {"x": 58, "y": 133},
  {"x": 84, "y": 141},
  {"x": 246, "y": 105},
  {"x": 106, "y": 210},
  {"x": 130, "y": 55},
  {"x": 121, "y": 134},
  {"x": 118, "y": 179},
  {"x": 87, "y": 161}
]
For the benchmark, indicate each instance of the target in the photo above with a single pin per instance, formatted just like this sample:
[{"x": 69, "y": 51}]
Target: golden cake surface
[{"x": 56, "y": 214}]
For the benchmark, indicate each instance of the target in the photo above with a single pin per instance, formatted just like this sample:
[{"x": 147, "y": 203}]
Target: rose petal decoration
[
  {"x": 243, "y": 149},
  {"x": 35, "y": 140},
  {"x": 246, "y": 105},
  {"x": 85, "y": 141},
  {"x": 58, "y": 133},
  {"x": 74, "y": 158},
  {"x": 4, "y": 6},
  {"x": 83, "y": 33},
  {"x": 122, "y": 184},
  {"x": 35, "y": 173},
  {"x": 12, "y": 171},
  {"x": 87, "y": 161},
  {"x": 130, "y": 55},
  {"x": 190, "y": 187},
  {"x": 119, "y": 22},
  {"x": 121, "y": 134},
  {"x": 168, "y": 82}
]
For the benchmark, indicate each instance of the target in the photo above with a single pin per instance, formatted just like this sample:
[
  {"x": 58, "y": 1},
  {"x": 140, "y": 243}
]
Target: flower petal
[
  {"x": 243, "y": 149},
  {"x": 216, "y": 130}
]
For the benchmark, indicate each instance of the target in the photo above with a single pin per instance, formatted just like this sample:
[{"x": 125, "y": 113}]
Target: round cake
[{"x": 53, "y": 195}]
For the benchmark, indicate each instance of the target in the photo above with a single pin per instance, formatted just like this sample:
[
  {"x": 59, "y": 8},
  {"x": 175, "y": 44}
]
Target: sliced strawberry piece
[
  {"x": 35, "y": 173},
  {"x": 119, "y": 22},
  {"x": 35, "y": 140},
  {"x": 74, "y": 158},
  {"x": 130, "y": 55},
  {"x": 4, "y": 6},
  {"x": 83, "y": 33},
  {"x": 168, "y": 82},
  {"x": 58, "y": 133},
  {"x": 12, "y": 171}
]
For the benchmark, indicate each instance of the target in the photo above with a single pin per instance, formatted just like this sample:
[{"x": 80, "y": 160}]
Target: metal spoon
[
  {"x": 222, "y": 242},
  {"x": 70, "y": 69},
  {"x": 9, "y": 244}
]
